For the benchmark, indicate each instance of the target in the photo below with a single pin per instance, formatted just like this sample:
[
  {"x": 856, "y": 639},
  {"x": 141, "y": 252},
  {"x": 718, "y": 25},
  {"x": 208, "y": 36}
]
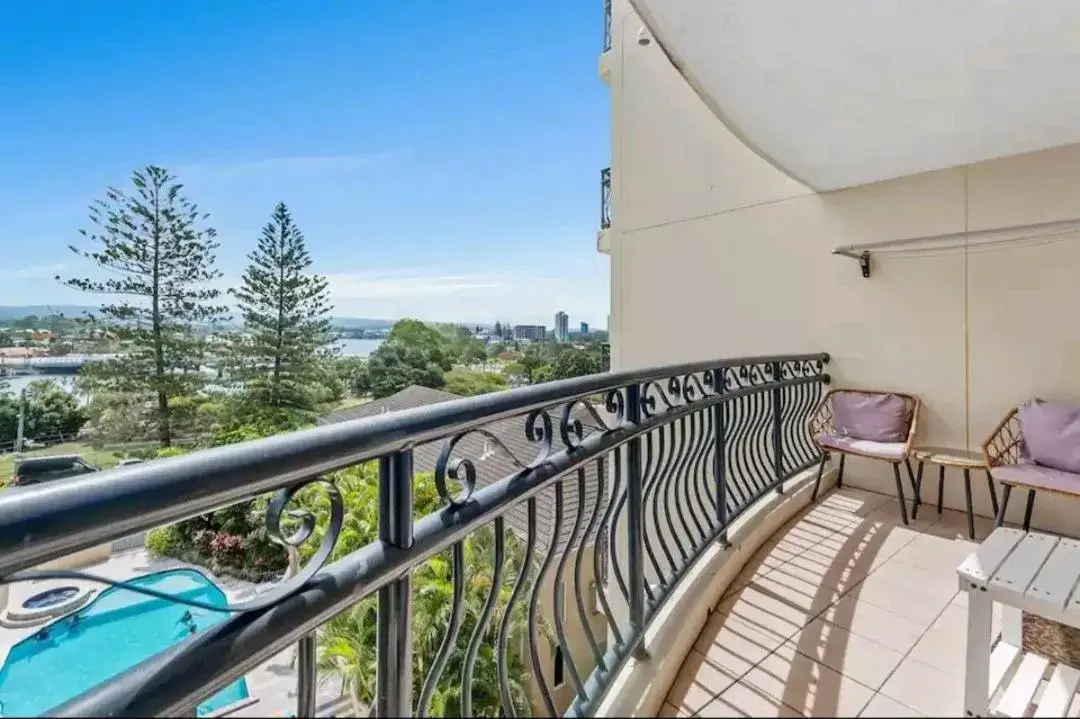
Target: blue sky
[{"x": 442, "y": 158}]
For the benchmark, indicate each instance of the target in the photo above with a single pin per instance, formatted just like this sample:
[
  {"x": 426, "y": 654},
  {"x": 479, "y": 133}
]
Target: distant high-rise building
[
  {"x": 531, "y": 333},
  {"x": 584, "y": 328},
  {"x": 562, "y": 326}
]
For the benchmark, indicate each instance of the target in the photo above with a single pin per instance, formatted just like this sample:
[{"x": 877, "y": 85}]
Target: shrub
[
  {"x": 203, "y": 540},
  {"x": 227, "y": 549},
  {"x": 163, "y": 541}
]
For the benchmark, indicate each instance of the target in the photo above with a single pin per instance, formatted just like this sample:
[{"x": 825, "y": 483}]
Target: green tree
[
  {"x": 51, "y": 411},
  {"x": 467, "y": 383},
  {"x": 415, "y": 333},
  {"x": 117, "y": 417},
  {"x": 286, "y": 312},
  {"x": 413, "y": 353},
  {"x": 347, "y": 641},
  {"x": 572, "y": 362},
  {"x": 159, "y": 259},
  {"x": 531, "y": 360},
  {"x": 473, "y": 352},
  {"x": 346, "y": 370},
  {"x": 51, "y": 414}
]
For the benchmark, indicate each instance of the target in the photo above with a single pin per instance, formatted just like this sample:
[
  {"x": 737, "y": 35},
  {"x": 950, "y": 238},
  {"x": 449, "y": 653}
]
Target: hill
[
  {"x": 361, "y": 323},
  {"x": 14, "y": 312}
]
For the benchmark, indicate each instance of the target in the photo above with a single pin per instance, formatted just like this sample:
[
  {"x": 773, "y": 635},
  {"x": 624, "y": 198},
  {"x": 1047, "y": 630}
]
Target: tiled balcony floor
[{"x": 844, "y": 612}]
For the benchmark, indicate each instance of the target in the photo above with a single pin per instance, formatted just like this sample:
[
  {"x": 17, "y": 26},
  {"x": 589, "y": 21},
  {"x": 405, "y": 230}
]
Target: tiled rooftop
[{"x": 844, "y": 612}]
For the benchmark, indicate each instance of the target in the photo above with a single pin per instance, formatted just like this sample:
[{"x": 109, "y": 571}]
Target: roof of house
[
  {"x": 411, "y": 396},
  {"x": 493, "y": 463}
]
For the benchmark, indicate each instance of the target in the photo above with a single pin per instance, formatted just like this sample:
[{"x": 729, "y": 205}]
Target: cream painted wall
[
  {"x": 580, "y": 650},
  {"x": 715, "y": 253}
]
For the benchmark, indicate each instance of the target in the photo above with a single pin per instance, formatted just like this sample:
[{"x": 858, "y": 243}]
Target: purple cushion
[
  {"x": 1037, "y": 477},
  {"x": 881, "y": 450},
  {"x": 873, "y": 417},
  {"x": 1051, "y": 432}
]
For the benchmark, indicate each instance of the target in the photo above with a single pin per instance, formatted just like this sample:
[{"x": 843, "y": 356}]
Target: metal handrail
[{"x": 727, "y": 407}]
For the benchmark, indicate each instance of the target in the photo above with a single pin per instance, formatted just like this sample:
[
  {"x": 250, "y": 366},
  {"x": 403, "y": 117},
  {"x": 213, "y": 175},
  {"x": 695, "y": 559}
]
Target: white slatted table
[{"x": 1025, "y": 572}]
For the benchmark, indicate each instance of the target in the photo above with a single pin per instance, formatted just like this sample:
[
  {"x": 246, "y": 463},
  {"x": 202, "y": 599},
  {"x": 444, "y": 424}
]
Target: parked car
[{"x": 35, "y": 470}]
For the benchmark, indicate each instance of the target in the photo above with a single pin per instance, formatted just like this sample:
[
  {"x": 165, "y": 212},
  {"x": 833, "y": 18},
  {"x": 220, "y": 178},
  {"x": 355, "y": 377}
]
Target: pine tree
[
  {"x": 286, "y": 316},
  {"x": 160, "y": 255}
]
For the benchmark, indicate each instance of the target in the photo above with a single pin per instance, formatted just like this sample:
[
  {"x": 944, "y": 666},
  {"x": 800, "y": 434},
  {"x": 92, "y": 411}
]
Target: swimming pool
[{"x": 113, "y": 633}]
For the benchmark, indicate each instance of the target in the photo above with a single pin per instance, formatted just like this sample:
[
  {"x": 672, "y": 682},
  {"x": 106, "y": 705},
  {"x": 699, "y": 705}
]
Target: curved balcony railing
[
  {"x": 635, "y": 472},
  {"x": 605, "y": 198}
]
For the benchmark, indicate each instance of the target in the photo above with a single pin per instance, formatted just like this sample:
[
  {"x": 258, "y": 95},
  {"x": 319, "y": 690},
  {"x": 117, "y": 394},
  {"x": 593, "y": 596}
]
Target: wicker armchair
[
  {"x": 844, "y": 440},
  {"x": 1009, "y": 462}
]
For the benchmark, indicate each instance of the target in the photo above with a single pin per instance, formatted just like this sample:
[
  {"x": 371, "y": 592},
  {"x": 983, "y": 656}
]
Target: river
[
  {"x": 15, "y": 385},
  {"x": 358, "y": 348}
]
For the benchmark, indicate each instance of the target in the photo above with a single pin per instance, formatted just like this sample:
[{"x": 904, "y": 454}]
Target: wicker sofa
[{"x": 868, "y": 423}]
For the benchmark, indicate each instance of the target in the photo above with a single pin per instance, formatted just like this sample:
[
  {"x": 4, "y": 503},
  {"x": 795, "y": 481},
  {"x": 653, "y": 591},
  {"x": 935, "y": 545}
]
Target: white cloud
[
  {"x": 351, "y": 286},
  {"x": 31, "y": 272},
  {"x": 449, "y": 295},
  {"x": 435, "y": 294},
  {"x": 231, "y": 171}
]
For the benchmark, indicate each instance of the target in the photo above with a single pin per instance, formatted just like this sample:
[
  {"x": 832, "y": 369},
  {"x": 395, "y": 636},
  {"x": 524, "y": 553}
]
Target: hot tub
[{"x": 45, "y": 605}]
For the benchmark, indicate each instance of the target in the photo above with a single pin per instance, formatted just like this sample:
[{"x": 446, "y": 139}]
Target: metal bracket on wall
[{"x": 863, "y": 258}]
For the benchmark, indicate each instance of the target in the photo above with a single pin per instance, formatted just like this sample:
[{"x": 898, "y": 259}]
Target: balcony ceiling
[{"x": 840, "y": 93}]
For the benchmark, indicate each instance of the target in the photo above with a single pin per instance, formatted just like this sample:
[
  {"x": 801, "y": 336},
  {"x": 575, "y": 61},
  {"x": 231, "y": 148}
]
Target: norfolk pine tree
[
  {"x": 158, "y": 257},
  {"x": 286, "y": 319}
]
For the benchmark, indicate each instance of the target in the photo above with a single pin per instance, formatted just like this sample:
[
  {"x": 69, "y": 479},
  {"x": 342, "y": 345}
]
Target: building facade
[
  {"x": 971, "y": 242},
  {"x": 562, "y": 326},
  {"x": 530, "y": 333}
]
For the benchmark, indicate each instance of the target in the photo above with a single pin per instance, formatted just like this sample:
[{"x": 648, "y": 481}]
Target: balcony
[
  {"x": 551, "y": 566},
  {"x": 607, "y": 26},
  {"x": 605, "y": 50},
  {"x": 845, "y": 611},
  {"x": 893, "y": 87},
  {"x": 632, "y": 543},
  {"x": 603, "y": 239}
]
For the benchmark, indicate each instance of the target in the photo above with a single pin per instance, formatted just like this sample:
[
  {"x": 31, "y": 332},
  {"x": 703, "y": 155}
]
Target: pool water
[
  {"x": 116, "y": 631},
  {"x": 51, "y": 598}
]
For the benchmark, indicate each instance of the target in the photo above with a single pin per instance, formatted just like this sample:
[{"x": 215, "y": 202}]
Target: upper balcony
[
  {"x": 896, "y": 89},
  {"x": 628, "y": 543},
  {"x": 603, "y": 238},
  {"x": 605, "y": 50}
]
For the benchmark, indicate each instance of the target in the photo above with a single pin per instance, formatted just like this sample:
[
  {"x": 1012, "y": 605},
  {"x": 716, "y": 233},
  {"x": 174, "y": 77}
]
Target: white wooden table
[{"x": 1024, "y": 571}]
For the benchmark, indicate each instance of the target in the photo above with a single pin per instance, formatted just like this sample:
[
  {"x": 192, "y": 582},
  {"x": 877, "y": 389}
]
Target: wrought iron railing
[
  {"x": 637, "y": 472},
  {"x": 607, "y": 25},
  {"x": 605, "y": 198}
]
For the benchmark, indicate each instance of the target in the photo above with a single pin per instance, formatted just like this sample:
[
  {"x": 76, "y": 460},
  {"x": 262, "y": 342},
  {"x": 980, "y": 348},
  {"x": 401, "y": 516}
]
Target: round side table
[{"x": 957, "y": 458}]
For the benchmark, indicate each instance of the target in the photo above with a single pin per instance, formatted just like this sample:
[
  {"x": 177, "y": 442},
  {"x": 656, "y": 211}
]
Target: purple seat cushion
[
  {"x": 1051, "y": 432},
  {"x": 1037, "y": 477},
  {"x": 882, "y": 450},
  {"x": 873, "y": 417}
]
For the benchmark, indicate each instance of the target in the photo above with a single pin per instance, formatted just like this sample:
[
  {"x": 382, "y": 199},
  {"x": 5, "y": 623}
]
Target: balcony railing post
[
  {"x": 720, "y": 457},
  {"x": 635, "y": 518},
  {"x": 306, "y": 657},
  {"x": 393, "y": 696},
  {"x": 777, "y": 435}
]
